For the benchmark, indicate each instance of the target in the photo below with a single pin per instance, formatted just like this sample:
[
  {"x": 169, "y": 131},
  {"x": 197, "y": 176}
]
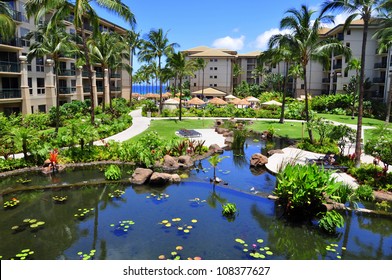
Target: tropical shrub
[
  {"x": 113, "y": 172},
  {"x": 301, "y": 190},
  {"x": 364, "y": 192},
  {"x": 328, "y": 103},
  {"x": 229, "y": 210},
  {"x": 330, "y": 220},
  {"x": 327, "y": 147}
]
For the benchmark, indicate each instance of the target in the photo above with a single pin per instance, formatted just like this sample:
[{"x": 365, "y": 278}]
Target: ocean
[{"x": 144, "y": 89}]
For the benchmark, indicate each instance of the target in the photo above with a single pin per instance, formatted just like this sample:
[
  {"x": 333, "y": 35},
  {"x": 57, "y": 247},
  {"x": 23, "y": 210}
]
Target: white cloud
[
  {"x": 229, "y": 43},
  {"x": 262, "y": 40}
]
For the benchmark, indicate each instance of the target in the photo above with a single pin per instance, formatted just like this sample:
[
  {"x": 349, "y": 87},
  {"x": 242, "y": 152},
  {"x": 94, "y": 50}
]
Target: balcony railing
[
  {"x": 15, "y": 42},
  {"x": 7, "y": 93},
  {"x": 99, "y": 89},
  {"x": 7, "y": 66},
  {"x": 67, "y": 90},
  {"x": 337, "y": 66},
  {"x": 17, "y": 16},
  {"x": 99, "y": 74},
  {"x": 326, "y": 80},
  {"x": 380, "y": 65},
  {"x": 115, "y": 88},
  {"x": 67, "y": 72},
  {"x": 86, "y": 89},
  {"x": 379, "y": 80},
  {"x": 115, "y": 75}
]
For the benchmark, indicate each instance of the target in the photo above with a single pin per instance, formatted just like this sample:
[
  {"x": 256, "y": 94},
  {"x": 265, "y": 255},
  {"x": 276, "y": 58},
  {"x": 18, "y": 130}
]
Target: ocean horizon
[{"x": 144, "y": 89}]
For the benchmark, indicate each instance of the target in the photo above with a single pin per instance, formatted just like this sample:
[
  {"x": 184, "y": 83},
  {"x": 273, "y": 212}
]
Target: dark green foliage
[
  {"x": 330, "y": 220},
  {"x": 317, "y": 148},
  {"x": 327, "y": 103},
  {"x": 364, "y": 192}
]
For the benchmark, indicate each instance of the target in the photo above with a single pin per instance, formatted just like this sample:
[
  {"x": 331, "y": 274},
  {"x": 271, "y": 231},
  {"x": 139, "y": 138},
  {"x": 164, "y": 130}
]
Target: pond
[{"x": 124, "y": 222}]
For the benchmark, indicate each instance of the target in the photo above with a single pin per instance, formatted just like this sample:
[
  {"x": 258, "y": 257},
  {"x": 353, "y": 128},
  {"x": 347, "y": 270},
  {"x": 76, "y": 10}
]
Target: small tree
[{"x": 214, "y": 160}]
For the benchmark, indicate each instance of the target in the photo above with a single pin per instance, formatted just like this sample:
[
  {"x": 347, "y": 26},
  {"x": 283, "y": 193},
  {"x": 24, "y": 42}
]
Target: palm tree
[
  {"x": 384, "y": 38},
  {"x": 295, "y": 71},
  {"x": 53, "y": 41},
  {"x": 214, "y": 160},
  {"x": 181, "y": 68},
  {"x": 134, "y": 43},
  {"x": 237, "y": 71},
  {"x": 201, "y": 64},
  {"x": 363, "y": 9},
  {"x": 84, "y": 15},
  {"x": 8, "y": 26},
  {"x": 154, "y": 46},
  {"x": 354, "y": 64},
  {"x": 304, "y": 41}
]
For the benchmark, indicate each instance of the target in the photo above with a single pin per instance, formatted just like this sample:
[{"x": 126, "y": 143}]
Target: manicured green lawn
[
  {"x": 167, "y": 128},
  {"x": 292, "y": 130},
  {"x": 348, "y": 120}
]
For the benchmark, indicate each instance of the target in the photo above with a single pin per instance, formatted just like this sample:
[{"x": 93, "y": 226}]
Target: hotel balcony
[
  {"x": 115, "y": 88},
  {"x": 337, "y": 66},
  {"x": 383, "y": 53},
  {"x": 9, "y": 67},
  {"x": 86, "y": 89},
  {"x": 67, "y": 90},
  {"x": 99, "y": 75},
  {"x": 380, "y": 65},
  {"x": 10, "y": 93},
  {"x": 67, "y": 73},
  {"x": 99, "y": 89},
  {"x": 115, "y": 75},
  {"x": 69, "y": 20},
  {"x": 17, "y": 16},
  {"x": 14, "y": 43},
  {"x": 379, "y": 80}
]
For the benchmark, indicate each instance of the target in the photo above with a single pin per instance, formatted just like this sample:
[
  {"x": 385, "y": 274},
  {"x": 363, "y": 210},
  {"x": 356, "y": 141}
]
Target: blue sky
[{"x": 244, "y": 25}]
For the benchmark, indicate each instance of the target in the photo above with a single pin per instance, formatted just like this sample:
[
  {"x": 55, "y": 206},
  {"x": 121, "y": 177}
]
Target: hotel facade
[
  {"x": 28, "y": 86},
  {"x": 218, "y": 73}
]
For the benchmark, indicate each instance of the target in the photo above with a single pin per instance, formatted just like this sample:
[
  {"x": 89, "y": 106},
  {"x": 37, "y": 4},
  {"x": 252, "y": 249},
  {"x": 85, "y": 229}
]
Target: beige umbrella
[
  {"x": 230, "y": 97},
  {"x": 172, "y": 101},
  {"x": 252, "y": 99},
  {"x": 149, "y": 95},
  {"x": 217, "y": 101},
  {"x": 196, "y": 101},
  {"x": 240, "y": 102},
  {"x": 272, "y": 102}
]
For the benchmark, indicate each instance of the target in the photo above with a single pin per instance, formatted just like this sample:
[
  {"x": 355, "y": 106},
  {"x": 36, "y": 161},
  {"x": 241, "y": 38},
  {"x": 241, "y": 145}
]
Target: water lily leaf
[
  {"x": 239, "y": 240},
  {"x": 266, "y": 248},
  {"x": 194, "y": 221},
  {"x": 180, "y": 228},
  {"x": 162, "y": 257},
  {"x": 197, "y": 258},
  {"x": 168, "y": 224},
  {"x": 179, "y": 248},
  {"x": 174, "y": 253},
  {"x": 164, "y": 221},
  {"x": 245, "y": 250},
  {"x": 339, "y": 257},
  {"x": 80, "y": 253},
  {"x": 260, "y": 240},
  {"x": 189, "y": 227},
  {"x": 344, "y": 248},
  {"x": 269, "y": 253},
  {"x": 186, "y": 230}
]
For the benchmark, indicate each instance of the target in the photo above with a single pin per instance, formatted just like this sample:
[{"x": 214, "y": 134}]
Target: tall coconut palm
[
  {"x": 384, "y": 38},
  {"x": 84, "y": 15},
  {"x": 181, "y": 68},
  {"x": 295, "y": 71},
  {"x": 354, "y": 64},
  {"x": 304, "y": 40},
  {"x": 201, "y": 64},
  {"x": 8, "y": 26},
  {"x": 363, "y": 9},
  {"x": 134, "y": 42},
  {"x": 154, "y": 47},
  {"x": 52, "y": 41},
  {"x": 237, "y": 71}
]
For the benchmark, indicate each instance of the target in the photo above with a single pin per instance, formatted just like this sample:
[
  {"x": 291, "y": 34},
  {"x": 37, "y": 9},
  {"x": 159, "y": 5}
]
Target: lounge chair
[{"x": 189, "y": 133}]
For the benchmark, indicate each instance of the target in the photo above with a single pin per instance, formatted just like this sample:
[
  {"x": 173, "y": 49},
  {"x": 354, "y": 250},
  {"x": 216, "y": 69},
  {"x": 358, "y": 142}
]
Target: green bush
[
  {"x": 364, "y": 192},
  {"x": 330, "y": 220},
  {"x": 326, "y": 147},
  {"x": 113, "y": 172}
]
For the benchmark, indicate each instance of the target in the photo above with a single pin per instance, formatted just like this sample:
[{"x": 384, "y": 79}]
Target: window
[
  {"x": 39, "y": 64},
  {"x": 195, "y": 77},
  {"x": 349, "y": 32},
  {"x": 32, "y": 109},
  {"x": 302, "y": 86},
  {"x": 42, "y": 108},
  {"x": 210, "y": 85},
  {"x": 215, "y": 60},
  {"x": 40, "y": 86},
  {"x": 215, "y": 85},
  {"x": 23, "y": 33},
  {"x": 28, "y": 61},
  {"x": 215, "y": 77},
  {"x": 215, "y": 68},
  {"x": 30, "y": 83},
  {"x": 347, "y": 45},
  {"x": 211, "y": 60},
  {"x": 345, "y": 74},
  {"x": 210, "y": 77},
  {"x": 211, "y": 68},
  {"x": 194, "y": 84}
]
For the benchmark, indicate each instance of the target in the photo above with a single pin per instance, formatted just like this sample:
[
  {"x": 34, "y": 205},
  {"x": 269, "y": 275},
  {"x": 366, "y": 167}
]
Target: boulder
[
  {"x": 140, "y": 176},
  {"x": 258, "y": 160},
  {"x": 229, "y": 140},
  {"x": 218, "y": 122},
  {"x": 170, "y": 163},
  {"x": 215, "y": 148},
  {"x": 158, "y": 178},
  {"x": 221, "y": 130},
  {"x": 271, "y": 152},
  {"x": 185, "y": 161}
]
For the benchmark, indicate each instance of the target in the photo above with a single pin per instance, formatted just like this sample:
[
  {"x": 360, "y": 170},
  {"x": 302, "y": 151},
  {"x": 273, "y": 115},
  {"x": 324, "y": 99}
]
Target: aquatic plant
[
  {"x": 256, "y": 251},
  {"x": 177, "y": 223},
  {"x": 82, "y": 213},
  {"x": 123, "y": 225},
  {"x": 23, "y": 181},
  {"x": 158, "y": 197},
  {"x": 116, "y": 193},
  {"x": 229, "y": 210},
  {"x": 11, "y": 203},
  {"x": 60, "y": 199},
  {"x": 175, "y": 255},
  {"x": 85, "y": 257},
  {"x": 113, "y": 172},
  {"x": 197, "y": 201},
  {"x": 330, "y": 220},
  {"x": 24, "y": 254},
  {"x": 333, "y": 248}
]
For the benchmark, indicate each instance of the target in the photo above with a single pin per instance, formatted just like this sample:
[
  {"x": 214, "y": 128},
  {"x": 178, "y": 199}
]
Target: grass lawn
[
  {"x": 348, "y": 120},
  {"x": 292, "y": 130},
  {"x": 167, "y": 128}
]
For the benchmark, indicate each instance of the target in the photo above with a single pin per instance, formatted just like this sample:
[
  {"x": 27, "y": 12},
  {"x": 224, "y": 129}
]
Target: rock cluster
[{"x": 144, "y": 175}]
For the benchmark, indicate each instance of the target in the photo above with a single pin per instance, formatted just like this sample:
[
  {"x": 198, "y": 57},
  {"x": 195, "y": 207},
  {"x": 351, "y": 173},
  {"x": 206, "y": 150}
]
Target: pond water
[{"x": 145, "y": 222}]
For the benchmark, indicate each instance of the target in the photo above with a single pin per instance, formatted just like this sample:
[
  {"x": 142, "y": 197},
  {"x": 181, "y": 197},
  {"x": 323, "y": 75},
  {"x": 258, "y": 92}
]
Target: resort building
[
  {"x": 28, "y": 86},
  {"x": 218, "y": 73}
]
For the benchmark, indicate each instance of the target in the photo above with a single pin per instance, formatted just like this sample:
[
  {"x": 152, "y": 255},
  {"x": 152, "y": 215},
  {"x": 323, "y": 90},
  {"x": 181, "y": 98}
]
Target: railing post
[{"x": 24, "y": 86}]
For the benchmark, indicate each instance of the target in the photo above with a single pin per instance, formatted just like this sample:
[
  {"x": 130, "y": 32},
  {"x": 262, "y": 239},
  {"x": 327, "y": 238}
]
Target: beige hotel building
[
  {"x": 218, "y": 73},
  {"x": 28, "y": 86}
]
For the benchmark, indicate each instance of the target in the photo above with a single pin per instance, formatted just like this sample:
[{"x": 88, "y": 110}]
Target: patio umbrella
[
  {"x": 252, "y": 99},
  {"x": 217, "y": 101},
  {"x": 230, "y": 97},
  {"x": 172, "y": 101},
  {"x": 240, "y": 102},
  {"x": 272, "y": 102},
  {"x": 196, "y": 101}
]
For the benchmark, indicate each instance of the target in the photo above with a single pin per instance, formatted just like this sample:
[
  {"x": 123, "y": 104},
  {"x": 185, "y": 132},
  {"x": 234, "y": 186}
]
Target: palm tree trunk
[
  {"x": 202, "y": 86},
  {"x": 160, "y": 86},
  {"x": 130, "y": 78},
  {"x": 104, "y": 91},
  {"x": 307, "y": 105},
  {"x": 358, "y": 142},
  {"x": 180, "y": 106},
  {"x": 284, "y": 94},
  {"x": 90, "y": 73},
  {"x": 388, "y": 114},
  {"x": 56, "y": 69}
]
